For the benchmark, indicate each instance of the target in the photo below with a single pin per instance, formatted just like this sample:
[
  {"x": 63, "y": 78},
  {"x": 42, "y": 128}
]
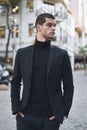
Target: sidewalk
[{"x": 78, "y": 115}]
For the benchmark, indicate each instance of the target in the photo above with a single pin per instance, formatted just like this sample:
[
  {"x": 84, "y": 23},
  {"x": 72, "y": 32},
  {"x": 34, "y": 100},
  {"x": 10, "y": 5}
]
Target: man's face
[{"x": 47, "y": 30}]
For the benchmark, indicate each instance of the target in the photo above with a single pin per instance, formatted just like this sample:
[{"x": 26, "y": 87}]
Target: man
[{"x": 42, "y": 68}]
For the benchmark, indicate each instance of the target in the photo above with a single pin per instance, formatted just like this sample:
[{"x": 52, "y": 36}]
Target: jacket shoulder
[
  {"x": 59, "y": 50},
  {"x": 25, "y": 49}
]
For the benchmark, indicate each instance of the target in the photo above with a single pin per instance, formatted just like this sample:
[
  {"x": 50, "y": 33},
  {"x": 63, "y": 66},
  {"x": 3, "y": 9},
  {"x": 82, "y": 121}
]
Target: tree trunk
[{"x": 9, "y": 32}]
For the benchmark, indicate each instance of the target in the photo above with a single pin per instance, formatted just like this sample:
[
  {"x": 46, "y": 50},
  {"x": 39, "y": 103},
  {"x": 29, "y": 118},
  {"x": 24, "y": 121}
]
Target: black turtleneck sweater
[{"x": 38, "y": 103}]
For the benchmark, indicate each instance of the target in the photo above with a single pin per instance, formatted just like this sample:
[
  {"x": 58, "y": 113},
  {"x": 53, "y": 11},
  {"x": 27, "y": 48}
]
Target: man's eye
[{"x": 49, "y": 25}]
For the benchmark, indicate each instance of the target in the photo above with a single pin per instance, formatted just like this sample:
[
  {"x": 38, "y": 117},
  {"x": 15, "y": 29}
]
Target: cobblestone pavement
[{"x": 78, "y": 115}]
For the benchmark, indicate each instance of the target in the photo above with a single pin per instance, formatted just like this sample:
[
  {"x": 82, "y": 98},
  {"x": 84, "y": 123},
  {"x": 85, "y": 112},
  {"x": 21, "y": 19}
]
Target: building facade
[
  {"x": 79, "y": 8},
  {"x": 23, "y": 30}
]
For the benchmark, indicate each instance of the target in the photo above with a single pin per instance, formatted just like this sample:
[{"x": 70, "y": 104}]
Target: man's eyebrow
[{"x": 51, "y": 23}]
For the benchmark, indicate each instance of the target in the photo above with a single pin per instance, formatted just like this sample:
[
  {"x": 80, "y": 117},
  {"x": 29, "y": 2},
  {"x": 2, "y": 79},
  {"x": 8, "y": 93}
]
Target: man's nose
[{"x": 53, "y": 27}]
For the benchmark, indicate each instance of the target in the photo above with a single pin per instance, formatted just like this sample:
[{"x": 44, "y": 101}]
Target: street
[{"x": 77, "y": 119}]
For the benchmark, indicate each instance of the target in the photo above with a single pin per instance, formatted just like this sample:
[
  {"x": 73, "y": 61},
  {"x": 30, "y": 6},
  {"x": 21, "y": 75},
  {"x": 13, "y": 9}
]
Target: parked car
[{"x": 4, "y": 75}]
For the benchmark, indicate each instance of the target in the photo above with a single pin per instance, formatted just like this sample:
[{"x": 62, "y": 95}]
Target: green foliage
[
  {"x": 15, "y": 2},
  {"x": 83, "y": 50},
  {"x": 30, "y": 3},
  {"x": 10, "y": 2}
]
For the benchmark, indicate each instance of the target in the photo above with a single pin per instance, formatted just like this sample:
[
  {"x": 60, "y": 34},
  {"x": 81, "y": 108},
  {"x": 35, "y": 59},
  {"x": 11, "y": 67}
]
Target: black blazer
[{"x": 59, "y": 80}]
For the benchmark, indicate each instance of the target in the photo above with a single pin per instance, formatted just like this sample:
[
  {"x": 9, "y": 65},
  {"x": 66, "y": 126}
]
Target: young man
[{"x": 42, "y": 68}]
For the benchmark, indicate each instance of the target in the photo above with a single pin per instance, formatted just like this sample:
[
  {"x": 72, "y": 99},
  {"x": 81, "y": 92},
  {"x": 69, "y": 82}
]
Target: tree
[
  {"x": 83, "y": 52},
  {"x": 8, "y": 4}
]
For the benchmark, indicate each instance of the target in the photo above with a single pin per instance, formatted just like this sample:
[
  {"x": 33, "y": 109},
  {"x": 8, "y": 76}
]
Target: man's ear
[{"x": 38, "y": 27}]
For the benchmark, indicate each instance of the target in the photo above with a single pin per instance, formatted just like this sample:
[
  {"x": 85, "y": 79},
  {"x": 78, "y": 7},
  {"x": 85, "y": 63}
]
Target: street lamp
[{"x": 14, "y": 10}]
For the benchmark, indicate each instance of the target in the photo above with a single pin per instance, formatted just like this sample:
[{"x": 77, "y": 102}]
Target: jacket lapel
[
  {"x": 29, "y": 65},
  {"x": 30, "y": 60},
  {"x": 50, "y": 59}
]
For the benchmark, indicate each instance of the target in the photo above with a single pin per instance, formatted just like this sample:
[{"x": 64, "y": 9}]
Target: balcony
[
  {"x": 51, "y": 1},
  {"x": 60, "y": 16}
]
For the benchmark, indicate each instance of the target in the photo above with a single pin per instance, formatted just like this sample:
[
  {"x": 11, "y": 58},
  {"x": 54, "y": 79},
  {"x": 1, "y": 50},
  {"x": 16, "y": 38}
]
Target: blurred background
[{"x": 17, "y": 30}]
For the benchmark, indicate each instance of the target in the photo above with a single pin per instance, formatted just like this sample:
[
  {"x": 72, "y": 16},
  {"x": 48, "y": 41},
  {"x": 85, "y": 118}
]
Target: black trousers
[{"x": 29, "y": 122}]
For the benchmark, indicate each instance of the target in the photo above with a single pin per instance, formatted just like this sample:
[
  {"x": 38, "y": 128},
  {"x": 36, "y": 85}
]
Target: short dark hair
[{"x": 42, "y": 18}]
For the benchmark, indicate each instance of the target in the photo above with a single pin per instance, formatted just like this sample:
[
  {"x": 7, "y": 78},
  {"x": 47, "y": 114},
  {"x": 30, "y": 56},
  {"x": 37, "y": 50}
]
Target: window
[
  {"x": 30, "y": 4},
  {"x": 31, "y": 29},
  {"x": 60, "y": 34},
  {"x": 2, "y": 9},
  {"x": 2, "y": 31},
  {"x": 15, "y": 30},
  {"x": 63, "y": 36}
]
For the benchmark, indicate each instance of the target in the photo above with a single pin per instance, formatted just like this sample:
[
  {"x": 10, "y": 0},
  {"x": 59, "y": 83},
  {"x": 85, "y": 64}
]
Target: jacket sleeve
[
  {"x": 15, "y": 86},
  {"x": 68, "y": 87}
]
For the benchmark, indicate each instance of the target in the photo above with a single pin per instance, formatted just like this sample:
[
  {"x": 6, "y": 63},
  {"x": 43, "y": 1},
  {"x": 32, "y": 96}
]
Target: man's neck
[{"x": 42, "y": 39}]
